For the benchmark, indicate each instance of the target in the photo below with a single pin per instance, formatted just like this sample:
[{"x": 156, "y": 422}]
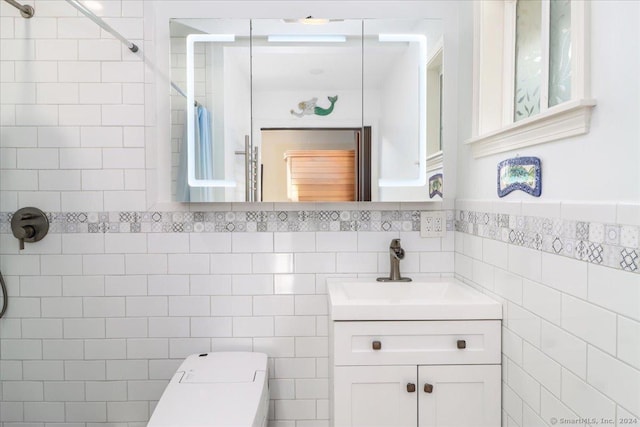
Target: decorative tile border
[
  {"x": 230, "y": 221},
  {"x": 612, "y": 245}
]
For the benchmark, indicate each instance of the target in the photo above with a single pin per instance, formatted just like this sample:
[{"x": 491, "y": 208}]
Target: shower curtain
[{"x": 204, "y": 159}]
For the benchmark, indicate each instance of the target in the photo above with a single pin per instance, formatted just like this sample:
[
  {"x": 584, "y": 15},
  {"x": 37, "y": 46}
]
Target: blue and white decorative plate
[
  {"x": 520, "y": 173},
  {"x": 435, "y": 185}
]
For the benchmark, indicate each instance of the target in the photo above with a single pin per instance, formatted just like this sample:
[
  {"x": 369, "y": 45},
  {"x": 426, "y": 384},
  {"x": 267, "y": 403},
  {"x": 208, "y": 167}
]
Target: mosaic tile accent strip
[
  {"x": 611, "y": 245},
  {"x": 230, "y": 221}
]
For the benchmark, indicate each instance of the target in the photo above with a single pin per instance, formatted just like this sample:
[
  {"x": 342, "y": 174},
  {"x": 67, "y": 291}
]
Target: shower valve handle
[
  {"x": 25, "y": 232},
  {"x": 29, "y": 225}
]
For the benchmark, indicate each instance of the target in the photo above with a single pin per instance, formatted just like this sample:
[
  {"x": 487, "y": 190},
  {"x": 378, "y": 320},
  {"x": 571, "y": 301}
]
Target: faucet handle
[
  {"x": 396, "y": 253},
  {"x": 396, "y": 250}
]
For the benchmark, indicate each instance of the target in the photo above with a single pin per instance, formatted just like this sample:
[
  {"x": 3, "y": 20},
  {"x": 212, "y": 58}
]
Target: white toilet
[{"x": 225, "y": 389}]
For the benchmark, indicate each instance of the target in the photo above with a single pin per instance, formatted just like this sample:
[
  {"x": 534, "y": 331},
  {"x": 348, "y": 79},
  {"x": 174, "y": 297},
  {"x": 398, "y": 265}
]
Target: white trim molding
[
  {"x": 494, "y": 130},
  {"x": 435, "y": 161},
  {"x": 562, "y": 121}
]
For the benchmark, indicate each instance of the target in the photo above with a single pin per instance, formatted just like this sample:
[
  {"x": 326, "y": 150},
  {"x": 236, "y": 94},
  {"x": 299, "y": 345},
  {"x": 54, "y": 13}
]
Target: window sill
[{"x": 569, "y": 119}]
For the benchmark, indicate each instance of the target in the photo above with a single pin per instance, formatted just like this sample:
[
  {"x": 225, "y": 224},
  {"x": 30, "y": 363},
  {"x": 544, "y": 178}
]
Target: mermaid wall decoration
[{"x": 309, "y": 107}]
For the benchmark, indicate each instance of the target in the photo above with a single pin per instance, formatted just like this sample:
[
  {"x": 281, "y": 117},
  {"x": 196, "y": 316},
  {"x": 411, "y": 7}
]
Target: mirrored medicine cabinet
[{"x": 305, "y": 110}]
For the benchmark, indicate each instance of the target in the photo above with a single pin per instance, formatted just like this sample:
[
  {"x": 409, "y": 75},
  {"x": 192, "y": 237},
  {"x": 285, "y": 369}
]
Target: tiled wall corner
[{"x": 570, "y": 288}]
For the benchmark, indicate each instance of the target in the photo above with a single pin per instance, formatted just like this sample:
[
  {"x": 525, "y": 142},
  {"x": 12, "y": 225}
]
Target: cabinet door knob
[
  {"x": 376, "y": 345},
  {"x": 462, "y": 344},
  {"x": 428, "y": 388},
  {"x": 411, "y": 388}
]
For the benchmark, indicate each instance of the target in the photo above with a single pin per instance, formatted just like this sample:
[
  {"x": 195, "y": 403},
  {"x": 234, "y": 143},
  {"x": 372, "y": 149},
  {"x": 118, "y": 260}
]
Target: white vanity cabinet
[{"x": 415, "y": 373}]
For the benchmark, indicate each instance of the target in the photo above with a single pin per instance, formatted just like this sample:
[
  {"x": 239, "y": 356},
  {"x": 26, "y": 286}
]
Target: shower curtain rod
[
  {"x": 181, "y": 92},
  {"x": 25, "y": 10},
  {"x": 86, "y": 12},
  {"x": 132, "y": 47}
]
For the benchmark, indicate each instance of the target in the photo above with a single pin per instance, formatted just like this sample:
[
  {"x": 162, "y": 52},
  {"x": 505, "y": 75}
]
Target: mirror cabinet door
[
  {"x": 210, "y": 125},
  {"x": 307, "y": 108},
  {"x": 395, "y": 68}
]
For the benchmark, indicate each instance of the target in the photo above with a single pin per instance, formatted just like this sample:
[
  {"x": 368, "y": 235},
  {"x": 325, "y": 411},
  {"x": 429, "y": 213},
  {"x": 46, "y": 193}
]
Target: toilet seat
[{"x": 224, "y": 389}]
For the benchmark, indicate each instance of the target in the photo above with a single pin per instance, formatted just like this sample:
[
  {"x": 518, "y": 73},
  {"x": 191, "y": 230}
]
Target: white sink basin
[{"x": 442, "y": 299}]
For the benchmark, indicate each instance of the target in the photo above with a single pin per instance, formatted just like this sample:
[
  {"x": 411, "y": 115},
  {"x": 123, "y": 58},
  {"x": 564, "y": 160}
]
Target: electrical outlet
[{"x": 433, "y": 224}]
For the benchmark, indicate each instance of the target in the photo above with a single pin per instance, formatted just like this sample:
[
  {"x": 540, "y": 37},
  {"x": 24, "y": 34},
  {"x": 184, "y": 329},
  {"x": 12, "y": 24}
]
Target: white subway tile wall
[
  {"x": 571, "y": 299},
  {"x": 103, "y": 310}
]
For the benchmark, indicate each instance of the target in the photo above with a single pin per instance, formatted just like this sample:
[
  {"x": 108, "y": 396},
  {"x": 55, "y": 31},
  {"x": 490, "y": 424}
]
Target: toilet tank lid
[{"x": 222, "y": 367}]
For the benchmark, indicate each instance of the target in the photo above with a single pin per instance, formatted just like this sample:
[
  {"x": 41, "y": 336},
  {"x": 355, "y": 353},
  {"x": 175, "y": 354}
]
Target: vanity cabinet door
[
  {"x": 380, "y": 396},
  {"x": 459, "y": 396}
]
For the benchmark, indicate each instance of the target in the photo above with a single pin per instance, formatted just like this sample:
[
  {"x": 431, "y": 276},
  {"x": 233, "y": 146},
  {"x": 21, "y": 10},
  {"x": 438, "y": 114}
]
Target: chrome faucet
[{"x": 396, "y": 253}]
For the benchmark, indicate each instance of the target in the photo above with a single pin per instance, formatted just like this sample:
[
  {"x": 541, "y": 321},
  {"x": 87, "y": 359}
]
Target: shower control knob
[{"x": 29, "y": 225}]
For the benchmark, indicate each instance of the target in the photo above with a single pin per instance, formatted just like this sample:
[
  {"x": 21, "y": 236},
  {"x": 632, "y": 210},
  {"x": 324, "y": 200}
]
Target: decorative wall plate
[
  {"x": 520, "y": 173},
  {"x": 435, "y": 185}
]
